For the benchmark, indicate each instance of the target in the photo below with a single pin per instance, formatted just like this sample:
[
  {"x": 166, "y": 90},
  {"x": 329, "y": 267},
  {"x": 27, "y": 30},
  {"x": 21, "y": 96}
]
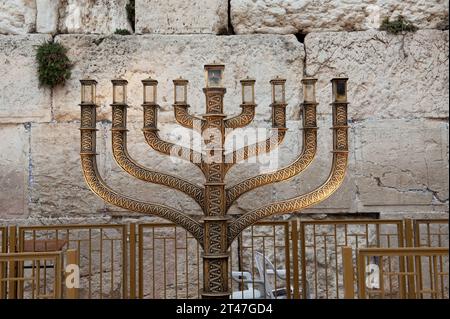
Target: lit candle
[
  {"x": 309, "y": 90},
  {"x": 214, "y": 75},
  {"x": 150, "y": 86},
  {"x": 278, "y": 90},
  {"x": 248, "y": 91},
  {"x": 339, "y": 89},
  {"x": 180, "y": 91},
  {"x": 119, "y": 91},
  {"x": 88, "y": 88}
]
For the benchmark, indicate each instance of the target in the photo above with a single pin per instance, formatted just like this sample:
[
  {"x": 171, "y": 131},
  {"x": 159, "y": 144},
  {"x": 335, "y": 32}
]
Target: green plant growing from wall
[
  {"x": 53, "y": 64},
  {"x": 122, "y": 32},
  {"x": 400, "y": 25},
  {"x": 130, "y": 7}
]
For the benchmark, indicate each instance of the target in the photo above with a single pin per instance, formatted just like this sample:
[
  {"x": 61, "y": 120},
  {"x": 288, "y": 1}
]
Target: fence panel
[
  {"x": 428, "y": 277},
  {"x": 102, "y": 254},
  {"x": 431, "y": 233},
  {"x": 321, "y": 243},
  {"x": 40, "y": 277},
  {"x": 170, "y": 263}
]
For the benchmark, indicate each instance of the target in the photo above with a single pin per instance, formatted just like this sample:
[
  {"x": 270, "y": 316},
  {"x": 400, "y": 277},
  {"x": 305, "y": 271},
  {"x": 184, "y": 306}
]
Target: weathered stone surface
[
  {"x": 402, "y": 165},
  {"x": 389, "y": 76},
  {"x": 14, "y": 171},
  {"x": 57, "y": 184},
  {"x": 17, "y": 16},
  {"x": 86, "y": 16},
  {"x": 47, "y": 16},
  {"x": 179, "y": 17},
  {"x": 268, "y": 16},
  {"x": 167, "y": 58},
  {"x": 21, "y": 98}
]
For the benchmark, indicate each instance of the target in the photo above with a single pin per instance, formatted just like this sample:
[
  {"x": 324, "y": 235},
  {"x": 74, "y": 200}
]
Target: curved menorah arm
[
  {"x": 99, "y": 187},
  {"x": 335, "y": 179},
  {"x": 264, "y": 147},
  {"x": 155, "y": 142},
  {"x": 128, "y": 164},
  {"x": 276, "y": 138},
  {"x": 304, "y": 159},
  {"x": 242, "y": 119},
  {"x": 184, "y": 118}
]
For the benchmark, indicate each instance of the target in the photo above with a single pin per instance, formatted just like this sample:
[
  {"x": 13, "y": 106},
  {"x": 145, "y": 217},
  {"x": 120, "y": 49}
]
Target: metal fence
[
  {"x": 320, "y": 250},
  {"x": 272, "y": 259},
  {"x": 379, "y": 276}
]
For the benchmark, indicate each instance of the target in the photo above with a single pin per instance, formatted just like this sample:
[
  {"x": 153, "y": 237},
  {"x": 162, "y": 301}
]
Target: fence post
[
  {"x": 132, "y": 261},
  {"x": 72, "y": 259},
  {"x": 409, "y": 236},
  {"x": 12, "y": 267},
  {"x": 295, "y": 270},
  {"x": 349, "y": 274}
]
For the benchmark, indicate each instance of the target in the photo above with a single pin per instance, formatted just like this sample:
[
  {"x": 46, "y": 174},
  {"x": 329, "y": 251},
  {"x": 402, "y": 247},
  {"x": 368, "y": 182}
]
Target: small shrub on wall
[{"x": 53, "y": 64}]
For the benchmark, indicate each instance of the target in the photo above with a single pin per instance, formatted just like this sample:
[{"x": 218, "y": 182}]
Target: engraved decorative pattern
[
  {"x": 214, "y": 104},
  {"x": 164, "y": 147},
  {"x": 183, "y": 117},
  {"x": 257, "y": 149},
  {"x": 214, "y": 201},
  {"x": 98, "y": 186},
  {"x": 243, "y": 119},
  {"x": 294, "y": 204},
  {"x": 215, "y": 276},
  {"x": 215, "y": 239},
  {"x": 295, "y": 168}
]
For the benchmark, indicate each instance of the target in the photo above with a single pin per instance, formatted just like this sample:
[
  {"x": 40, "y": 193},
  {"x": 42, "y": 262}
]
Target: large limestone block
[
  {"x": 87, "y": 16},
  {"x": 14, "y": 171},
  {"x": 21, "y": 98},
  {"x": 178, "y": 17},
  {"x": 58, "y": 188},
  {"x": 389, "y": 76},
  {"x": 293, "y": 16},
  {"x": 47, "y": 16},
  {"x": 402, "y": 165},
  {"x": 167, "y": 58},
  {"x": 17, "y": 16}
]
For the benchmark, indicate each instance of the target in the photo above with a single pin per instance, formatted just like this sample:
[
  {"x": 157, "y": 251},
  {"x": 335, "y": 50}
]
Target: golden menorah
[{"x": 217, "y": 230}]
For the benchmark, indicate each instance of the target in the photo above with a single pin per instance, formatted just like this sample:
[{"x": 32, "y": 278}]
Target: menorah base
[{"x": 215, "y": 295}]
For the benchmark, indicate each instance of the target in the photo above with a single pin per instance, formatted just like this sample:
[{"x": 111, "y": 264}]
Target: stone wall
[{"x": 398, "y": 89}]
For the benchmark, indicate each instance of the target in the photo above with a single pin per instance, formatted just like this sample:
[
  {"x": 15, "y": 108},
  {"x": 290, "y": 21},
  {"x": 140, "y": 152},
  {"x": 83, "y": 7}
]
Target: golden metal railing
[
  {"x": 431, "y": 233},
  {"x": 271, "y": 259},
  {"x": 102, "y": 254},
  {"x": 379, "y": 274},
  {"x": 320, "y": 250},
  {"x": 169, "y": 261},
  {"x": 41, "y": 278}
]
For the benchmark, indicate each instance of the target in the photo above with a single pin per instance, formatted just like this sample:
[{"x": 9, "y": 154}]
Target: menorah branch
[
  {"x": 184, "y": 118},
  {"x": 128, "y": 164},
  {"x": 101, "y": 189},
  {"x": 155, "y": 142},
  {"x": 242, "y": 119},
  {"x": 304, "y": 159},
  {"x": 335, "y": 179}
]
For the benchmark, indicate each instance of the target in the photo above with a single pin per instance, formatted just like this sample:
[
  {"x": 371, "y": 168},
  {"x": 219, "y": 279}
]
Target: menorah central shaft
[{"x": 215, "y": 257}]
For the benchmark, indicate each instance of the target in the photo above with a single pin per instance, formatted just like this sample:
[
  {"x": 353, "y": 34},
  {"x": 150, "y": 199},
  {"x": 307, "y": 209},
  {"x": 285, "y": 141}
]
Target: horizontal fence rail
[
  {"x": 379, "y": 274},
  {"x": 268, "y": 260}
]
